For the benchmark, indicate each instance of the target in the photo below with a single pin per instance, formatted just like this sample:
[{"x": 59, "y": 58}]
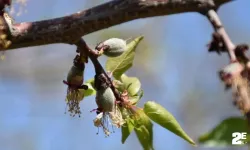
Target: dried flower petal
[
  {"x": 74, "y": 96},
  {"x": 241, "y": 92},
  {"x": 113, "y": 118},
  {"x": 230, "y": 71},
  {"x": 116, "y": 118},
  {"x": 97, "y": 121}
]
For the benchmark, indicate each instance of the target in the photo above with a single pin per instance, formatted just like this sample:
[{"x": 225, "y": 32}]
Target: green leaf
[
  {"x": 164, "y": 118},
  {"x": 143, "y": 135},
  {"x": 132, "y": 84},
  {"x": 119, "y": 85},
  {"x": 221, "y": 135},
  {"x": 127, "y": 128},
  {"x": 144, "y": 130},
  {"x": 119, "y": 65},
  {"x": 90, "y": 91},
  {"x": 134, "y": 99}
]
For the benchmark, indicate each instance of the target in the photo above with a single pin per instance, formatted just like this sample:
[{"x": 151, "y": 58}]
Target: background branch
[
  {"x": 218, "y": 27},
  {"x": 69, "y": 29},
  {"x": 243, "y": 88}
]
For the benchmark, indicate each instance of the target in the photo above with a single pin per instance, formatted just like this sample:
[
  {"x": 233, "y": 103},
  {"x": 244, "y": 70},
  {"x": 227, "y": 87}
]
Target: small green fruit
[
  {"x": 113, "y": 47},
  {"x": 75, "y": 76},
  {"x": 105, "y": 99}
]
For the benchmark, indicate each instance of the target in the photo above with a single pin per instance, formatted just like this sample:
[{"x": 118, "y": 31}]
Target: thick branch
[{"x": 69, "y": 29}]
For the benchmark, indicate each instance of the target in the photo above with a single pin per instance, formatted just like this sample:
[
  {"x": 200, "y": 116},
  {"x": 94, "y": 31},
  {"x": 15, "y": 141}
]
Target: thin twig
[
  {"x": 218, "y": 27},
  {"x": 231, "y": 48},
  {"x": 81, "y": 44}
]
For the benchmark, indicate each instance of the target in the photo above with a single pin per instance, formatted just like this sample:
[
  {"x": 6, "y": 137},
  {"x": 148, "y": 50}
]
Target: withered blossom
[
  {"x": 106, "y": 119},
  {"x": 75, "y": 84}
]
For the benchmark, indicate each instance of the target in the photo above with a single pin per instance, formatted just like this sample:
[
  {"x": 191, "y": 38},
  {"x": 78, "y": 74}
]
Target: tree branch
[
  {"x": 218, "y": 27},
  {"x": 70, "y": 29},
  {"x": 87, "y": 51},
  {"x": 241, "y": 85}
]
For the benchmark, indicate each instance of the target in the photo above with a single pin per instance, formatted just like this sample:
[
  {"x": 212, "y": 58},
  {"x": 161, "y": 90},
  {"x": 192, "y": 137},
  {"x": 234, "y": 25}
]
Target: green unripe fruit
[
  {"x": 75, "y": 76},
  {"x": 105, "y": 99},
  {"x": 113, "y": 47}
]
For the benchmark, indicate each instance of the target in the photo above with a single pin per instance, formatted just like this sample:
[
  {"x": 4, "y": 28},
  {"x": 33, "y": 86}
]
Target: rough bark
[{"x": 69, "y": 29}]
